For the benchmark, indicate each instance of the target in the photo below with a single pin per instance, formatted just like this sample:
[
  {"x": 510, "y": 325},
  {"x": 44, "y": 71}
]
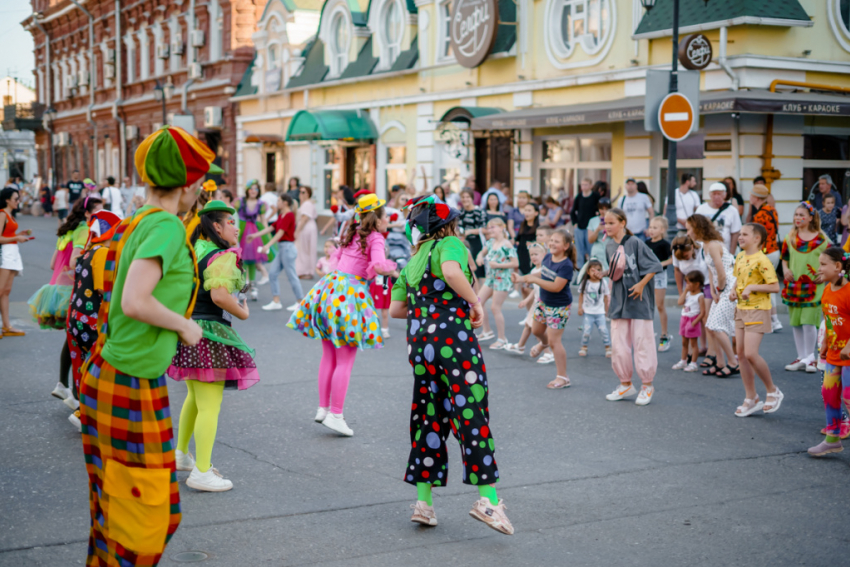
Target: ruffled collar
[
  {"x": 806, "y": 246},
  {"x": 204, "y": 247}
]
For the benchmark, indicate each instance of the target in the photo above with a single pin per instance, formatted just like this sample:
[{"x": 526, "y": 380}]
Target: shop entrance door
[
  {"x": 493, "y": 162},
  {"x": 359, "y": 171}
]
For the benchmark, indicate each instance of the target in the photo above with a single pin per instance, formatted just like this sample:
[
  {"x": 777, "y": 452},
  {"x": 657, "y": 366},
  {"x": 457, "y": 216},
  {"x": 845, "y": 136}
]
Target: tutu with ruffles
[
  {"x": 49, "y": 306},
  {"x": 339, "y": 309},
  {"x": 220, "y": 356}
]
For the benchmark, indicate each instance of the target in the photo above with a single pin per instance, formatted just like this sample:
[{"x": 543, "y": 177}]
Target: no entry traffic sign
[{"x": 676, "y": 117}]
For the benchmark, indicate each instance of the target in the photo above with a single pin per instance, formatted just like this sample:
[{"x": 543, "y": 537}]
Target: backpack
[{"x": 617, "y": 265}]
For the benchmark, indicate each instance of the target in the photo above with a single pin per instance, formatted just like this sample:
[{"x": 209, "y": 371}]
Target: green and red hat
[{"x": 171, "y": 157}]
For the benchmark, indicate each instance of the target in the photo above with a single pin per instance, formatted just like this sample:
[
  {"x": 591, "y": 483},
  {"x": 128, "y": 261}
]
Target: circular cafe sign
[
  {"x": 695, "y": 52},
  {"x": 473, "y": 30}
]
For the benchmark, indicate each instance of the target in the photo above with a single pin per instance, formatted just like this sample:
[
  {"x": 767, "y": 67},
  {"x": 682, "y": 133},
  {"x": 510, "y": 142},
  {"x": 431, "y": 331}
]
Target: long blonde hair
[
  {"x": 499, "y": 222},
  {"x": 814, "y": 224}
]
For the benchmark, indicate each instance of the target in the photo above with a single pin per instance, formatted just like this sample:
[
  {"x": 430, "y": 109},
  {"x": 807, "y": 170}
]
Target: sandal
[
  {"x": 547, "y": 358},
  {"x": 749, "y": 407},
  {"x": 559, "y": 383},
  {"x": 771, "y": 406},
  {"x": 501, "y": 344},
  {"x": 486, "y": 336},
  {"x": 515, "y": 348},
  {"x": 728, "y": 371},
  {"x": 12, "y": 332},
  {"x": 537, "y": 349},
  {"x": 582, "y": 351},
  {"x": 711, "y": 371},
  {"x": 710, "y": 357}
]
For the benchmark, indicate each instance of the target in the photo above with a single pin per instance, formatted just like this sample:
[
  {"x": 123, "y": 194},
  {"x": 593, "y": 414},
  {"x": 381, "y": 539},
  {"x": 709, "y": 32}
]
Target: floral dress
[
  {"x": 498, "y": 279},
  {"x": 721, "y": 317},
  {"x": 802, "y": 295}
]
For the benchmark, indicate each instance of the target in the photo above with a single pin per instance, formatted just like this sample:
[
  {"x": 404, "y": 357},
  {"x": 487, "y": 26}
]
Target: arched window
[
  {"x": 274, "y": 60},
  {"x": 340, "y": 41},
  {"x": 391, "y": 32},
  {"x": 572, "y": 22}
]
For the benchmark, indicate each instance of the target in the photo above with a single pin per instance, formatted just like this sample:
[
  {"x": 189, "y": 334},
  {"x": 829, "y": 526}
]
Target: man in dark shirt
[
  {"x": 825, "y": 187},
  {"x": 75, "y": 188},
  {"x": 585, "y": 207}
]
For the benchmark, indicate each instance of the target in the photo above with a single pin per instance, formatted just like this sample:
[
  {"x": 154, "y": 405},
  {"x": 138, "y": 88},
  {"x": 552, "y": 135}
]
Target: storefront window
[
  {"x": 396, "y": 168},
  {"x": 595, "y": 149},
  {"x": 825, "y": 146},
  {"x": 557, "y": 183},
  {"x": 332, "y": 178},
  {"x": 559, "y": 151},
  {"x": 564, "y": 162}
]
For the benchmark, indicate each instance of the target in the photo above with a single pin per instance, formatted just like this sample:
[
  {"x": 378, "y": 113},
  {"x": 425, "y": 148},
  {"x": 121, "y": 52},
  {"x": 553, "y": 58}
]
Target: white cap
[{"x": 717, "y": 186}]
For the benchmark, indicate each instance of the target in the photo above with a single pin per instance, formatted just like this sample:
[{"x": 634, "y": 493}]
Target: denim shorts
[{"x": 660, "y": 279}]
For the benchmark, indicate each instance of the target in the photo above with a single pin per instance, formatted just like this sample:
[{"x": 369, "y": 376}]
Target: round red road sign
[{"x": 676, "y": 117}]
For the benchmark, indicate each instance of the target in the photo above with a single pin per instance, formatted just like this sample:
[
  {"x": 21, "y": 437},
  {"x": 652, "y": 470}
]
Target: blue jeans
[
  {"x": 285, "y": 261},
  {"x": 598, "y": 320},
  {"x": 582, "y": 246}
]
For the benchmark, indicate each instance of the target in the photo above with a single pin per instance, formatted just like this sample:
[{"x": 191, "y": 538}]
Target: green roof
[
  {"x": 364, "y": 63},
  {"x": 467, "y": 113},
  {"x": 697, "y": 12},
  {"x": 314, "y": 69},
  {"x": 331, "y": 125},
  {"x": 506, "y": 35},
  {"x": 407, "y": 59},
  {"x": 245, "y": 88}
]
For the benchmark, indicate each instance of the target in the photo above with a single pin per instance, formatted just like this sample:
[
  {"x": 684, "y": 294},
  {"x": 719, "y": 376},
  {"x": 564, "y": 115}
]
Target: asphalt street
[{"x": 586, "y": 481}]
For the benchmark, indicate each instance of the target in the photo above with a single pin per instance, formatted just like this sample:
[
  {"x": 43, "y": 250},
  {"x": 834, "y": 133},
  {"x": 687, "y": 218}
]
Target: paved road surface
[{"x": 587, "y": 482}]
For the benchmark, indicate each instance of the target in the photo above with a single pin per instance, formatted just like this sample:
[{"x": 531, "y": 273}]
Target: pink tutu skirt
[
  {"x": 249, "y": 249},
  {"x": 220, "y": 356}
]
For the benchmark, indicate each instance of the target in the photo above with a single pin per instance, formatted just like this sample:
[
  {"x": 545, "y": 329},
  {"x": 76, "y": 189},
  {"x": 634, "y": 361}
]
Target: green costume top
[{"x": 448, "y": 249}]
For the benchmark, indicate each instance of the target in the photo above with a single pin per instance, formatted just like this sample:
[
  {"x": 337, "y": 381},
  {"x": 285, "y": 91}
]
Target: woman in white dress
[
  {"x": 306, "y": 235},
  {"x": 721, "y": 318}
]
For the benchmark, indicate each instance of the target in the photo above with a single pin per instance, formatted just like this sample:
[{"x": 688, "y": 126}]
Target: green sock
[
  {"x": 488, "y": 492},
  {"x": 831, "y": 439},
  {"x": 424, "y": 493}
]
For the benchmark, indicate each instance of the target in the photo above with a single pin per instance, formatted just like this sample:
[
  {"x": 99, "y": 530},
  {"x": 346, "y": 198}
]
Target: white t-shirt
[
  {"x": 692, "y": 304},
  {"x": 270, "y": 199},
  {"x": 686, "y": 205},
  {"x": 594, "y": 294},
  {"x": 696, "y": 263},
  {"x": 60, "y": 199},
  {"x": 636, "y": 211},
  {"x": 112, "y": 197},
  {"x": 727, "y": 222},
  {"x": 453, "y": 200}
]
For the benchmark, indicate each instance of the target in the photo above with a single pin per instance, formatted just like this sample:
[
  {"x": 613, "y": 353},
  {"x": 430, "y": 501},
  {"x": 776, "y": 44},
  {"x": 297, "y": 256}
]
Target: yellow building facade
[{"x": 368, "y": 93}]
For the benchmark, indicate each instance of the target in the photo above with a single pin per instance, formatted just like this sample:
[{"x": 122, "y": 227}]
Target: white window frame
[
  {"x": 576, "y": 165},
  {"x": 559, "y": 44},
  {"x": 144, "y": 54},
  {"x": 444, "y": 42},
  {"x": 389, "y": 51},
  {"x": 339, "y": 58}
]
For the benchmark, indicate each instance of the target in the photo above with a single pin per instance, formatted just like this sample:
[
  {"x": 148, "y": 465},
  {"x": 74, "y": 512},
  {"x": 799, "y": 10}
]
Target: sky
[{"x": 16, "y": 57}]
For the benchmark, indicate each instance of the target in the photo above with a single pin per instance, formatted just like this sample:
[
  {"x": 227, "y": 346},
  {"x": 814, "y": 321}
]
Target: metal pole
[
  {"x": 164, "y": 116},
  {"x": 671, "y": 146}
]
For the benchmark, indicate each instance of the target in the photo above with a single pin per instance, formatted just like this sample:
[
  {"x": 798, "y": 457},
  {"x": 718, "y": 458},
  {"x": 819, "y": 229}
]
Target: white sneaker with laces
[
  {"x": 645, "y": 395},
  {"x": 72, "y": 403},
  {"x": 691, "y": 367},
  {"x": 210, "y": 481},
  {"x": 493, "y": 516},
  {"x": 423, "y": 514},
  {"x": 621, "y": 392},
  {"x": 184, "y": 461},
  {"x": 273, "y": 306},
  {"x": 679, "y": 365},
  {"x": 61, "y": 392},
  {"x": 321, "y": 414},
  {"x": 263, "y": 281},
  {"x": 337, "y": 423},
  {"x": 293, "y": 307}
]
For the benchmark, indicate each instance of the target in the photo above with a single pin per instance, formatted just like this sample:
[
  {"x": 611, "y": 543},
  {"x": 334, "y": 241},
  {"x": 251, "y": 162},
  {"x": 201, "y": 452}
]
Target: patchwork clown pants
[
  {"x": 836, "y": 386},
  {"x": 449, "y": 396}
]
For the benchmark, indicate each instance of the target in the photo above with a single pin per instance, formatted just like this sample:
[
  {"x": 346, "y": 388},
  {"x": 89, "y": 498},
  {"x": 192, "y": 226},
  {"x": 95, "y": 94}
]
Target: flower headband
[
  {"x": 808, "y": 206},
  {"x": 209, "y": 186}
]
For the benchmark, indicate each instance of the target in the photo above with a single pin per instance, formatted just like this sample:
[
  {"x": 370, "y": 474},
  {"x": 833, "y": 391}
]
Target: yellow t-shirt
[{"x": 755, "y": 269}]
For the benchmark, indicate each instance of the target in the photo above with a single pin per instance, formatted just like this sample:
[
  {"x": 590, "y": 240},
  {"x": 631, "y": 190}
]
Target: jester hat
[
  {"x": 427, "y": 215},
  {"x": 102, "y": 225},
  {"x": 171, "y": 158}
]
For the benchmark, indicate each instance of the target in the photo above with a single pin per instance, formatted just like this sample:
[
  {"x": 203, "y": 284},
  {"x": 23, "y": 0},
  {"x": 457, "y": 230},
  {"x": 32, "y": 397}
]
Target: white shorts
[
  {"x": 660, "y": 279},
  {"x": 10, "y": 259}
]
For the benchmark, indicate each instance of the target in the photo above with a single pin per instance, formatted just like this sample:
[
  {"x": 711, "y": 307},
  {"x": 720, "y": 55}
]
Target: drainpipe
[
  {"x": 90, "y": 109},
  {"x": 190, "y": 27},
  {"x": 48, "y": 86},
  {"x": 122, "y": 152},
  {"x": 722, "y": 60}
]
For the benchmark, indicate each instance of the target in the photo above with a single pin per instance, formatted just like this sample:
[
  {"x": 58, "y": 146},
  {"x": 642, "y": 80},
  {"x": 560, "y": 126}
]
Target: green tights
[
  {"x": 200, "y": 416},
  {"x": 252, "y": 271},
  {"x": 484, "y": 490}
]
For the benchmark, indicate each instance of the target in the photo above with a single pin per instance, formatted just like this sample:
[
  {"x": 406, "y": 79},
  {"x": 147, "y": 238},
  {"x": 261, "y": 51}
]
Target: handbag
[{"x": 617, "y": 265}]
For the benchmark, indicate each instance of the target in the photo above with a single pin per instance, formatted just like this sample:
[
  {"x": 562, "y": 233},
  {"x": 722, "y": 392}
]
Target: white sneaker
[
  {"x": 321, "y": 414},
  {"x": 273, "y": 306},
  {"x": 254, "y": 294},
  {"x": 185, "y": 461},
  {"x": 263, "y": 281},
  {"x": 645, "y": 395},
  {"x": 514, "y": 294},
  {"x": 75, "y": 421},
  {"x": 621, "y": 392},
  {"x": 385, "y": 333},
  {"x": 337, "y": 423},
  {"x": 679, "y": 365},
  {"x": 775, "y": 325},
  {"x": 61, "y": 392},
  {"x": 811, "y": 367},
  {"x": 72, "y": 403},
  {"x": 796, "y": 365},
  {"x": 210, "y": 481},
  {"x": 293, "y": 307},
  {"x": 546, "y": 358},
  {"x": 691, "y": 367}
]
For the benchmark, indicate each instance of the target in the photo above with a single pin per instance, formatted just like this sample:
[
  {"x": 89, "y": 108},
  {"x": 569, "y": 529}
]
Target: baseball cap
[{"x": 717, "y": 186}]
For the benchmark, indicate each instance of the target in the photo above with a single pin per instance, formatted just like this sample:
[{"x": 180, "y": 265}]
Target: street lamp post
[{"x": 162, "y": 93}]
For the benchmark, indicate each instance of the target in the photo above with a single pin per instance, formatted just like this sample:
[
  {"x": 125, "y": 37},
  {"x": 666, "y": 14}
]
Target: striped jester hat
[{"x": 171, "y": 158}]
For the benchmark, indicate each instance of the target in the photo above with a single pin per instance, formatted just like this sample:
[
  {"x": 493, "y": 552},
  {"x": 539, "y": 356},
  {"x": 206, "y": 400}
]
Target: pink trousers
[{"x": 638, "y": 335}]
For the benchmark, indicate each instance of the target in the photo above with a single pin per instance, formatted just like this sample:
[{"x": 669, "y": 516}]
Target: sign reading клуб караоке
[{"x": 473, "y": 30}]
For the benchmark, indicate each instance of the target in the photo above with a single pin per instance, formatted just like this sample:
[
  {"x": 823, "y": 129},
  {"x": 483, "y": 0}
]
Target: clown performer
[
  {"x": 49, "y": 305},
  {"x": 434, "y": 293},
  {"x": 221, "y": 360},
  {"x": 149, "y": 282},
  {"x": 252, "y": 215},
  {"x": 339, "y": 309},
  {"x": 81, "y": 330}
]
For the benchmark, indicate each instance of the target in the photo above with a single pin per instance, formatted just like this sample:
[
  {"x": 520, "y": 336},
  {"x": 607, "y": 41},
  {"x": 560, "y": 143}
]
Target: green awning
[
  {"x": 467, "y": 113},
  {"x": 331, "y": 125}
]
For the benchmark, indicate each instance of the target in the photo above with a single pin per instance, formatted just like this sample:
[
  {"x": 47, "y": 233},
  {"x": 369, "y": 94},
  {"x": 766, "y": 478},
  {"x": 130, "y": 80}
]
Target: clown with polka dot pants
[{"x": 435, "y": 295}]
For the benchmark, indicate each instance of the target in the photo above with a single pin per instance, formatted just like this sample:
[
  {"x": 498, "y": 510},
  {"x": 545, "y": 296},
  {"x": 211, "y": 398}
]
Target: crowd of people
[{"x": 146, "y": 291}]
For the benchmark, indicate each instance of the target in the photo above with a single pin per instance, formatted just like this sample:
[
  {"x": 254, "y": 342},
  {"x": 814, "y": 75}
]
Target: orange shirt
[
  {"x": 11, "y": 227},
  {"x": 766, "y": 216},
  {"x": 836, "y": 308}
]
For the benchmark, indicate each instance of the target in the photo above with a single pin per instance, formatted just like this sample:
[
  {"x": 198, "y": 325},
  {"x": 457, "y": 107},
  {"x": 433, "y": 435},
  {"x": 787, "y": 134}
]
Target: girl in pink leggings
[
  {"x": 339, "y": 309},
  {"x": 631, "y": 309}
]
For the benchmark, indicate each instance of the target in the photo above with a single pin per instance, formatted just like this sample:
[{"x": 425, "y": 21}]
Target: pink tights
[{"x": 334, "y": 374}]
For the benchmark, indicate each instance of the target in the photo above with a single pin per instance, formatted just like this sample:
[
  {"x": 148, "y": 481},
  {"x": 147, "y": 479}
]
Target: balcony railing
[{"x": 23, "y": 116}]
